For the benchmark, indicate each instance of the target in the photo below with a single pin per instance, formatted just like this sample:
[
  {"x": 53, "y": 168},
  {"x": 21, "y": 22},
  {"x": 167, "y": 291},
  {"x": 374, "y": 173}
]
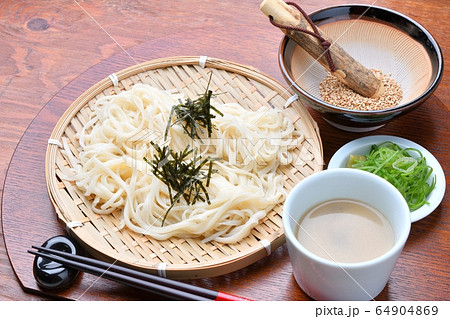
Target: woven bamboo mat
[{"x": 178, "y": 258}]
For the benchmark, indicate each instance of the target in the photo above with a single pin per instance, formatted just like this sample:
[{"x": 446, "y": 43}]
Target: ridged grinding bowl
[{"x": 378, "y": 38}]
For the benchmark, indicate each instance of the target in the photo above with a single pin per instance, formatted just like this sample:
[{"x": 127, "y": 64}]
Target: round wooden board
[
  {"x": 176, "y": 257},
  {"x": 25, "y": 196}
]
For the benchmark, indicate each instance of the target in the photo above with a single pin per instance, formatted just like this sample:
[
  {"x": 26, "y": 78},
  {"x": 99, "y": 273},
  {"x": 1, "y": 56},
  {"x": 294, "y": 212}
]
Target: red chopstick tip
[{"x": 222, "y": 296}]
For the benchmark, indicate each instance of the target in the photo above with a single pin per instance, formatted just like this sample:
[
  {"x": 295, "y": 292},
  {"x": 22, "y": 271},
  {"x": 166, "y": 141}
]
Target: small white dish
[{"x": 362, "y": 146}]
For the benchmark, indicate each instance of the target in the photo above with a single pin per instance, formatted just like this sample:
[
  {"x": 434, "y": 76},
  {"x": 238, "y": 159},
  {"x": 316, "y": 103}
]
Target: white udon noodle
[{"x": 111, "y": 170}]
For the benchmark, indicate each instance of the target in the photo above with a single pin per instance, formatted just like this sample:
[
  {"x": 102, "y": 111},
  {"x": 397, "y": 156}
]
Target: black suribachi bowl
[{"x": 378, "y": 38}]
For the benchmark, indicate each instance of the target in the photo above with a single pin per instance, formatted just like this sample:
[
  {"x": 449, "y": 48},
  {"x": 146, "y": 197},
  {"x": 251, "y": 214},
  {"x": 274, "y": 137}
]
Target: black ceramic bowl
[{"x": 378, "y": 38}]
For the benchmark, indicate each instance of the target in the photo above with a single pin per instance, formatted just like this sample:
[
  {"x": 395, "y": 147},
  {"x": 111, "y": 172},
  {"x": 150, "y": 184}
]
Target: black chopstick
[{"x": 163, "y": 286}]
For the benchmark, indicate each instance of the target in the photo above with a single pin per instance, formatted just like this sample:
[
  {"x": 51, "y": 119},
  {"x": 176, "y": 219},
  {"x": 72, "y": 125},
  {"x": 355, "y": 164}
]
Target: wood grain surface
[{"x": 54, "y": 50}]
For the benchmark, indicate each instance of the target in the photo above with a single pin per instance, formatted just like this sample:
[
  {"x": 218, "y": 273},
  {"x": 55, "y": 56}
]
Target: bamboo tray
[{"x": 178, "y": 258}]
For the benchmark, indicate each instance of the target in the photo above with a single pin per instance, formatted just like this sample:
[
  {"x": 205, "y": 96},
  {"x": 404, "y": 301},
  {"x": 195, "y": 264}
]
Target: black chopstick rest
[{"x": 50, "y": 274}]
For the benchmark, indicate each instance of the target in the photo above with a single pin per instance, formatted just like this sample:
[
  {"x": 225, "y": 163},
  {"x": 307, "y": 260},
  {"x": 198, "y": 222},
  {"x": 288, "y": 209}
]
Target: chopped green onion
[
  {"x": 405, "y": 164},
  {"x": 396, "y": 165}
]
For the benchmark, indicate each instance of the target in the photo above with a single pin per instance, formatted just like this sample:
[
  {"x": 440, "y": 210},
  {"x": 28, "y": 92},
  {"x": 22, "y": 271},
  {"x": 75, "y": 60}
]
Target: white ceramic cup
[{"x": 323, "y": 279}]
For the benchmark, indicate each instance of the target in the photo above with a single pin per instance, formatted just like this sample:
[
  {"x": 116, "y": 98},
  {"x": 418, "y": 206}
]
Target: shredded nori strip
[
  {"x": 182, "y": 173},
  {"x": 193, "y": 115}
]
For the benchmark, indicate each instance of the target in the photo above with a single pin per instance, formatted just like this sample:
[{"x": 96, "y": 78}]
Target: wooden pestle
[{"x": 349, "y": 71}]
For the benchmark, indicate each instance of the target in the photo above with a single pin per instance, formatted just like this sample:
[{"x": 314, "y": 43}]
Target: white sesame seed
[{"x": 336, "y": 93}]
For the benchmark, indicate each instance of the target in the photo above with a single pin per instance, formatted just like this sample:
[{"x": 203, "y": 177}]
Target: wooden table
[{"x": 51, "y": 51}]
